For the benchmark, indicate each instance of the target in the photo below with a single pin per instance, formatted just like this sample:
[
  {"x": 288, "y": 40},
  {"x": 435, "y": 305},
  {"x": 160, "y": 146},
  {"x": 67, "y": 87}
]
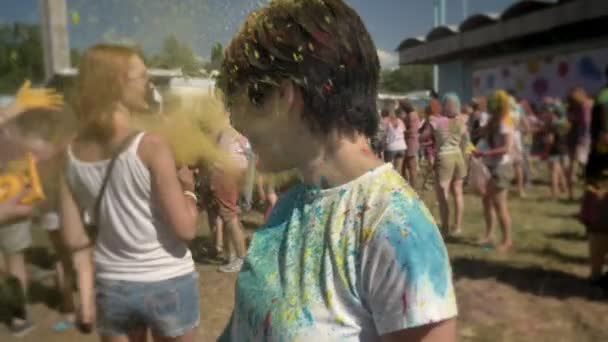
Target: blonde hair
[
  {"x": 498, "y": 103},
  {"x": 99, "y": 86}
]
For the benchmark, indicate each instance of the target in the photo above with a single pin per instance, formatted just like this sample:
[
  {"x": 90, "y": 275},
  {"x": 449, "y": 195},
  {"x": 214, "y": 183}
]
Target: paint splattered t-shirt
[{"x": 345, "y": 264}]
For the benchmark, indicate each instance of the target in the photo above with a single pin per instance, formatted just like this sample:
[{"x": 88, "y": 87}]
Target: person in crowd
[
  {"x": 352, "y": 211},
  {"x": 473, "y": 123},
  {"x": 15, "y": 238},
  {"x": 478, "y": 119},
  {"x": 495, "y": 151},
  {"x": 594, "y": 208},
  {"x": 520, "y": 125},
  {"x": 451, "y": 137},
  {"x": 224, "y": 190},
  {"x": 395, "y": 145},
  {"x": 412, "y": 140},
  {"x": 427, "y": 141},
  {"x": 378, "y": 140},
  {"x": 467, "y": 110},
  {"x": 578, "y": 138},
  {"x": 528, "y": 128},
  {"x": 135, "y": 272},
  {"x": 15, "y": 235},
  {"x": 51, "y": 222},
  {"x": 557, "y": 127}
]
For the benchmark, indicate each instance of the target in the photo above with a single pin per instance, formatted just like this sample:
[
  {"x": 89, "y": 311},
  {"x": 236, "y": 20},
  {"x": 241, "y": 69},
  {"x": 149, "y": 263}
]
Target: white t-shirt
[{"x": 350, "y": 263}]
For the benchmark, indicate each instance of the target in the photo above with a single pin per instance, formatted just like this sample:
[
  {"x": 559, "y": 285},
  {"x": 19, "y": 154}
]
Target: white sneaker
[
  {"x": 233, "y": 266},
  {"x": 22, "y": 328}
]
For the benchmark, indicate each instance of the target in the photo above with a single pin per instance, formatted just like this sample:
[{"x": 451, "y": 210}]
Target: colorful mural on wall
[{"x": 542, "y": 76}]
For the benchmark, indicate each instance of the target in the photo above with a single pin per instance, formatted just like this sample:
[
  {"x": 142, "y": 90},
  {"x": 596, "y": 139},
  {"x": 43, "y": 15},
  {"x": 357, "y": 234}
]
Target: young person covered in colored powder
[{"x": 351, "y": 254}]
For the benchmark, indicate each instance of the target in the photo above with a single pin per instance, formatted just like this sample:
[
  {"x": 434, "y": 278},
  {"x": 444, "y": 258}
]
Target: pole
[
  {"x": 465, "y": 9},
  {"x": 435, "y": 24},
  {"x": 442, "y": 12},
  {"x": 439, "y": 19},
  {"x": 54, "y": 32}
]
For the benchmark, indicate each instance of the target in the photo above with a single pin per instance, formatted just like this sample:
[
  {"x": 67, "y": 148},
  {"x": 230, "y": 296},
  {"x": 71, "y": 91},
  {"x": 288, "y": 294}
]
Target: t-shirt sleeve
[{"x": 406, "y": 274}]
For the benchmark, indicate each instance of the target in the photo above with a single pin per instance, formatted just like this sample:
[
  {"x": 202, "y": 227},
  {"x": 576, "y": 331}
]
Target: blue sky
[{"x": 203, "y": 22}]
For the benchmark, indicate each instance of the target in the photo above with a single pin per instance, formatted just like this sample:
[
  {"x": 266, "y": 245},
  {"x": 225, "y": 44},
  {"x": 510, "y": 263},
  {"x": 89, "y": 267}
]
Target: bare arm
[
  {"x": 178, "y": 210},
  {"x": 413, "y": 123},
  {"x": 28, "y": 98},
  {"x": 444, "y": 331},
  {"x": 78, "y": 243}
]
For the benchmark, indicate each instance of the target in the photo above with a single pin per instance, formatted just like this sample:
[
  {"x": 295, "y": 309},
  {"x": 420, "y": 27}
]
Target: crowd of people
[
  {"x": 350, "y": 252},
  {"x": 496, "y": 143}
]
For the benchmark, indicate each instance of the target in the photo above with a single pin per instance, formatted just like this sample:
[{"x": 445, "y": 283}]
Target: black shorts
[{"x": 389, "y": 156}]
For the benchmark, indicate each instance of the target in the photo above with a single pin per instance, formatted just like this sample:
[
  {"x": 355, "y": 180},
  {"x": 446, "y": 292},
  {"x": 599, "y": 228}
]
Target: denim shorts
[
  {"x": 389, "y": 156},
  {"x": 170, "y": 308}
]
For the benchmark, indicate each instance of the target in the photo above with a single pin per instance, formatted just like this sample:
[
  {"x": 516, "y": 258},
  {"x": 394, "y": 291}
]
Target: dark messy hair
[
  {"x": 406, "y": 106},
  {"x": 475, "y": 106},
  {"x": 323, "y": 47}
]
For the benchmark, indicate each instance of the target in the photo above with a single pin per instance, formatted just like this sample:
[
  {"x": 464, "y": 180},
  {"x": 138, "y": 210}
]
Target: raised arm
[{"x": 28, "y": 98}]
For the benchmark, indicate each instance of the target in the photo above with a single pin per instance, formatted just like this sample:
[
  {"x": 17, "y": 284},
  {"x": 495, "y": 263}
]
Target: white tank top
[
  {"x": 395, "y": 136},
  {"x": 133, "y": 242}
]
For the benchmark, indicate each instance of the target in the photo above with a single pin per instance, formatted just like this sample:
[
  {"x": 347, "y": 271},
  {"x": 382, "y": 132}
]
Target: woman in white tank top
[
  {"x": 141, "y": 275},
  {"x": 395, "y": 140}
]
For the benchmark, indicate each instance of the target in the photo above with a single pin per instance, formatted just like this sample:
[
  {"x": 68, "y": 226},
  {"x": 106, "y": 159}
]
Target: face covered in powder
[{"x": 274, "y": 127}]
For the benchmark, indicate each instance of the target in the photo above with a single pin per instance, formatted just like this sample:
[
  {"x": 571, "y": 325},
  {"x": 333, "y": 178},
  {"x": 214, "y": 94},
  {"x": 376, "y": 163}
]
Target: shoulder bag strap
[{"x": 123, "y": 145}]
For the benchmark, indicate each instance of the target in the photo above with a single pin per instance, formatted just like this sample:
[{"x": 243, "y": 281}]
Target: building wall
[
  {"x": 541, "y": 73},
  {"x": 456, "y": 77}
]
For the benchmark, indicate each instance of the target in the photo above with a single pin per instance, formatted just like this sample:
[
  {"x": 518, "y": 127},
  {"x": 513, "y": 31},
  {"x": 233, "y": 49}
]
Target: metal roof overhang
[{"x": 566, "y": 22}]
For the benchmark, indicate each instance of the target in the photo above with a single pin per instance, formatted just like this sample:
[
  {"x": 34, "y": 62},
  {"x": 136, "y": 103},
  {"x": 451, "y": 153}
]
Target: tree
[
  {"x": 406, "y": 78},
  {"x": 217, "y": 57},
  {"x": 21, "y": 55},
  {"x": 75, "y": 57},
  {"x": 175, "y": 54}
]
